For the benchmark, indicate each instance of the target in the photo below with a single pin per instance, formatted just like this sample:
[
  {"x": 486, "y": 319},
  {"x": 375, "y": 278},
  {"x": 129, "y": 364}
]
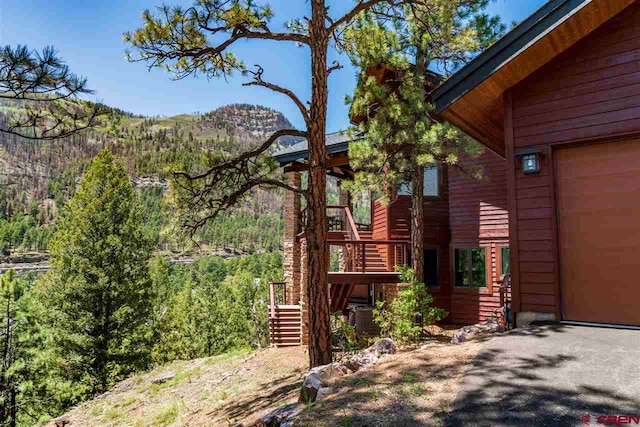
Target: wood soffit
[{"x": 472, "y": 99}]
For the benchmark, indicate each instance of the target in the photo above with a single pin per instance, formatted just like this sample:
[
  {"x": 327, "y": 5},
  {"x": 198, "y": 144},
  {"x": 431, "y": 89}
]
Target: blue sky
[{"x": 88, "y": 36}]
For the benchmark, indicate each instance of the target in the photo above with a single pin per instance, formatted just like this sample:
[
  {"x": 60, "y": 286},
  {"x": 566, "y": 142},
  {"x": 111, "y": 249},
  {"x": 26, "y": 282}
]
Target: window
[
  {"x": 470, "y": 267},
  {"x": 505, "y": 257},
  {"x": 432, "y": 267},
  {"x": 431, "y": 183}
]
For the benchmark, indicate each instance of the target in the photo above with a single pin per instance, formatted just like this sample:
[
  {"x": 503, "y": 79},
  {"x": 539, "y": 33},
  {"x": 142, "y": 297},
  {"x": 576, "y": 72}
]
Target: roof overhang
[
  {"x": 302, "y": 155},
  {"x": 472, "y": 99}
]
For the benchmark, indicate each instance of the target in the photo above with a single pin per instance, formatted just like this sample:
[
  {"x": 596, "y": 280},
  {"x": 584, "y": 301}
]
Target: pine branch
[{"x": 258, "y": 81}]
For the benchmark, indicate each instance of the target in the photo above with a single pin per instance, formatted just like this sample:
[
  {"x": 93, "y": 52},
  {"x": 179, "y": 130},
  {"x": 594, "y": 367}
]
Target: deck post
[{"x": 272, "y": 300}]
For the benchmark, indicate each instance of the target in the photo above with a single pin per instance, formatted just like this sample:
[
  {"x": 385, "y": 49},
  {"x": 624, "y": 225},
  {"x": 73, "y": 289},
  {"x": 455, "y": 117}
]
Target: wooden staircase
[
  {"x": 373, "y": 260},
  {"x": 285, "y": 325}
]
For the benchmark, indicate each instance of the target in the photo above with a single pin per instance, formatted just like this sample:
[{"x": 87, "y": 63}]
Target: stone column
[{"x": 291, "y": 246}]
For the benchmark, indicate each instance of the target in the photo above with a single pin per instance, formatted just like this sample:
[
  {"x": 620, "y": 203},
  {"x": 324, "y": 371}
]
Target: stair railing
[{"x": 276, "y": 298}]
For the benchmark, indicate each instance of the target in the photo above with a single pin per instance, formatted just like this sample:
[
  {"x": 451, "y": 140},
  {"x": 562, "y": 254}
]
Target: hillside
[
  {"x": 37, "y": 177},
  {"x": 236, "y": 387},
  {"x": 417, "y": 386}
]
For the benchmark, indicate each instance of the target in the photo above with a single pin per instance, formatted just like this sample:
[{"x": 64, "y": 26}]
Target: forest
[
  {"x": 39, "y": 177},
  {"x": 109, "y": 307},
  {"x": 93, "y": 320}
]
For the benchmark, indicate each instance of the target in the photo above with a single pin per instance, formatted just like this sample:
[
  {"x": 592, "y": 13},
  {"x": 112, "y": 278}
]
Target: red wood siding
[
  {"x": 380, "y": 229},
  {"x": 478, "y": 217},
  {"x": 588, "y": 93},
  {"x": 397, "y": 216}
]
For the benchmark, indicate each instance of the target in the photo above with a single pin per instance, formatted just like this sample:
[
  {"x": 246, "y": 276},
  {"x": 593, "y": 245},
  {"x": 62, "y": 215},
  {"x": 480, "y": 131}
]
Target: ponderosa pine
[
  {"x": 201, "y": 40},
  {"x": 401, "y": 135}
]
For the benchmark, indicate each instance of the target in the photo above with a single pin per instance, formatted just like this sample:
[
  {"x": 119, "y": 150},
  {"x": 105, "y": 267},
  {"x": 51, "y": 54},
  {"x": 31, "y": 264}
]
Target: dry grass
[
  {"x": 218, "y": 391},
  {"x": 417, "y": 386},
  {"x": 414, "y": 387}
]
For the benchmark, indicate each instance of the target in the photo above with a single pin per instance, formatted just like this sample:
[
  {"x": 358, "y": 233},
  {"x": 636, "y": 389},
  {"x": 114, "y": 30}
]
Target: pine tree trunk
[
  {"x": 317, "y": 289},
  {"x": 417, "y": 222},
  {"x": 417, "y": 198},
  {"x": 14, "y": 408}
]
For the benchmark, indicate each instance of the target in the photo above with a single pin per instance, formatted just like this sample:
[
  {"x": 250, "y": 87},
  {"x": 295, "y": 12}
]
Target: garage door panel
[
  {"x": 606, "y": 234},
  {"x": 598, "y": 190}
]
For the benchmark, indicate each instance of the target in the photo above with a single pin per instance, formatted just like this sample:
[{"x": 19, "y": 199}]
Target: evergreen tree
[
  {"x": 202, "y": 39},
  {"x": 11, "y": 290},
  {"x": 95, "y": 302},
  {"x": 395, "y": 47}
]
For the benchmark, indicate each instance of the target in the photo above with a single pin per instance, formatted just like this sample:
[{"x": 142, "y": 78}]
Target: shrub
[
  {"x": 343, "y": 335},
  {"x": 404, "y": 318}
]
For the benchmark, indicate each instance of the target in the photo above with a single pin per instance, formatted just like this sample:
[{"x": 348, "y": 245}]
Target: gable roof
[
  {"x": 472, "y": 99},
  {"x": 336, "y": 142}
]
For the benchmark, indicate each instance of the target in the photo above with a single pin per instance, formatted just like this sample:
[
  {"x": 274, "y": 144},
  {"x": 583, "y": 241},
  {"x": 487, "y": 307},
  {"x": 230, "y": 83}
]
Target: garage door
[{"x": 599, "y": 209}]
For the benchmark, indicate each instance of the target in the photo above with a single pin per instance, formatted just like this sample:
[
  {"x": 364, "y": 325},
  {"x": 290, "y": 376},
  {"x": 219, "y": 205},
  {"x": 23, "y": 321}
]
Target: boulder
[
  {"x": 372, "y": 354},
  {"x": 324, "y": 392},
  {"x": 468, "y": 333},
  {"x": 318, "y": 377},
  {"x": 282, "y": 416},
  {"x": 383, "y": 347}
]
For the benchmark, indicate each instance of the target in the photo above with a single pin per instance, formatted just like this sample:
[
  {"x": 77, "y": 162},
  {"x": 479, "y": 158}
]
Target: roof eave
[{"x": 543, "y": 21}]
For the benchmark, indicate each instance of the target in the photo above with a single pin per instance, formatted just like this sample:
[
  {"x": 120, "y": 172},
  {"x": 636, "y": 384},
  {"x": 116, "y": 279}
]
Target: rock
[
  {"x": 468, "y": 333},
  {"x": 164, "y": 379},
  {"x": 323, "y": 376},
  {"x": 372, "y": 354},
  {"x": 310, "y": 385},
  {"x": 62, "y": 422},
  {"x": 318, "y": 377},
  {"x": 383, "y": 347},
  {"x": 324, "y": 392},
  {"x": 282, "y": 416}
]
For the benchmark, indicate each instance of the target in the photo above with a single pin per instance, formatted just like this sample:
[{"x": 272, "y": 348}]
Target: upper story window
[{"x": 431, "y": 183}]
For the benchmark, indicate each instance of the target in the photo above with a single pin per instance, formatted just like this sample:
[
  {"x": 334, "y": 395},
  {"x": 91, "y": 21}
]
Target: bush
[
  {"x": 404, "y": 318},
  {"x": 343, "y": 335}
]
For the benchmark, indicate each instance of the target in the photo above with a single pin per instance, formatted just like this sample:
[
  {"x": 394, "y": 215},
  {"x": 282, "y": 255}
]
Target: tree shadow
[
  {"x": 399, "y": 391},
  {"x": 507, "y": 389},
  {"x": 281, "y": 390}
]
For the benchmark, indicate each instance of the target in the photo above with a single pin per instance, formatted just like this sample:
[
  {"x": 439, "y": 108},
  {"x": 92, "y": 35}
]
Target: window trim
[{"x": 488, "y": 289}]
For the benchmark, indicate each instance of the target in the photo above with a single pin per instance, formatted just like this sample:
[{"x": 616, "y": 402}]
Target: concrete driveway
[{"x": 552, "y": 376}]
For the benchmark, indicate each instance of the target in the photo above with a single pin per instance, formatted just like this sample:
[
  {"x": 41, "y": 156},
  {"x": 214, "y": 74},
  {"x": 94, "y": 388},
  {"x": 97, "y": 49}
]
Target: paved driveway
[{"x": 552, "y": 376}]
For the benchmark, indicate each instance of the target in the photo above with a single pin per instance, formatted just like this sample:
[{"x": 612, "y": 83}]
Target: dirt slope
[{"x": 218, "y": 391}]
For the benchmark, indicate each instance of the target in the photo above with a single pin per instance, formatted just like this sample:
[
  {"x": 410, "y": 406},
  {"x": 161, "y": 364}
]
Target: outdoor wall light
[{"x": 530, "y": 160}]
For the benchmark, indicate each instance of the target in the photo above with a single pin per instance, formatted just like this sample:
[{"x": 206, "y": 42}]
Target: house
[{"x": 555, "y": 102}]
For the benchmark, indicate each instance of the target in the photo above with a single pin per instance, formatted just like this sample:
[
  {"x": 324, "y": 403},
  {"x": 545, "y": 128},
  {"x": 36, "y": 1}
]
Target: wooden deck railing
[
  {"x": 285, "y": 321},
  {"x": 357, "y": 259},
  {"x": 357, "y": 246},
  {"x": 277, "y": 295},
  {"x": 340, "y": 221}
]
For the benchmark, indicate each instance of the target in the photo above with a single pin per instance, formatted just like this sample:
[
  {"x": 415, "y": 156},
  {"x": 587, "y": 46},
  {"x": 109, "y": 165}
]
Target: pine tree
[
  {"x": 96, "y": 300},
  {"x": 11, "y": 290},
  {"x": 202, "y": 40},
  {"x": 402, "y": 136}
]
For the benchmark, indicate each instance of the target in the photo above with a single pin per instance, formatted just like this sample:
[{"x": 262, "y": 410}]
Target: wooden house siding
[
  {"x": 380, "y": 229},
  {"x": 589, "y": 93},
  {"x": 478, "y": 216},
  {"x": 394, "y": 221}
]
